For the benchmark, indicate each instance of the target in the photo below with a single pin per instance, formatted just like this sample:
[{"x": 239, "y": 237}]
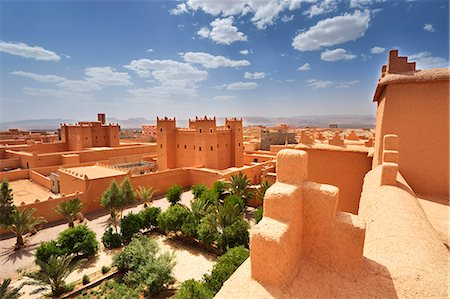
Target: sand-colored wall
[
  {"x": 14, "y": 175},
  {"x": 418, "y": 113},
  {"x": 40, "y": 179},
  {"x": 400, "y": 237},
  {"x": 343, "y": 169},
  {"x": 161, "y": 181},
  {"x": 9, "y": 163}
]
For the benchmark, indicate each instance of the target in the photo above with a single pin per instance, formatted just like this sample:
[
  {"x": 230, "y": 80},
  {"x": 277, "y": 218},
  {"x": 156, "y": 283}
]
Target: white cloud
[
  {"x": 287, "y": 19},
  {"x": 264, "y": 12},
  {"x": 174, "y": 77},
  {"x": 336, "y": 54},
  {"x": 305, "y": 67},
  {"x": 223, "y": 32},
  {"x": 362, "y": 3},
  {"x": 424, "y": 60},
  {"x": 242, "y": 86},
  {"x": 255, "y": 75},
  {"x": 323, "y": 7},
  {"x": 224, "y": 98},
  {"x": 24, "y": 50},
  {"x": 346, "y": 84},
  {"x": 106, "y": 76},
  {"x": 318, "y": 84},
  {"x": 149, "y": 50},
  {"x": 377, "y": 50},
  {"x": 333, "y": 31},
  {"x": 39, "y": 77},
  {"x": 179, "y": 9},
  {"x": 213, "y": 62},
  {"x": 244, "y": 52},
  {"x": 429, "y": 28},
  {"x": 79, "y": 86},
  {"x": 59, "y": 93}
]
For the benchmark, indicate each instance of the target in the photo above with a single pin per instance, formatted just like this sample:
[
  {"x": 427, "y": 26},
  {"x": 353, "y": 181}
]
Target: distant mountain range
[{"x": 343, "y": 121}]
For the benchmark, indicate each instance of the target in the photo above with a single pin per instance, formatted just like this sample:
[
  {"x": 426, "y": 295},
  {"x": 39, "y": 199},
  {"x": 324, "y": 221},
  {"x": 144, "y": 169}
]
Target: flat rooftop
[
  {"x": 93, "y": 172},
  {"x": 26, "y": 191}
]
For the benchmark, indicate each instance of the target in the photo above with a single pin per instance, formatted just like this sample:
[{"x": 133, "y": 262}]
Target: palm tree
[
  {"x": 223, "y": 215},
  {"x": 24, "y": 222},
  {"x": 239, "y": 186},
  {"x": 6, "y": 292},
  {"x": 146, "y": 194},
  {"x": 261, "y": 192},
  {"x": 70, "y": 209},
  {"x": 53, "y": 273}
]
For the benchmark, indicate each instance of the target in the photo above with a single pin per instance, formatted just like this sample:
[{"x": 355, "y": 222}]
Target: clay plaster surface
[{"x": 26, "y": 191}]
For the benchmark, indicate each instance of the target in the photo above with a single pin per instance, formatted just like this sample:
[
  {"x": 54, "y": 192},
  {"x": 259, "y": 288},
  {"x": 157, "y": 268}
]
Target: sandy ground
[
  {"x": 26, "y": 191},
  {"x": 191, "y": 263}
]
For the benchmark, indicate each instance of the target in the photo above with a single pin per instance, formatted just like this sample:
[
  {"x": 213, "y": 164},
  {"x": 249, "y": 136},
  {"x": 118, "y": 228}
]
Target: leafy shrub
[
  {"x": 234, "y": 235},
  {"x": 172, "y": 219},
  {"x": 210, "y": 197},
  {"x": 111, "y": 239},
  {"x": 149, "y": 217},
  {"x": 220, "y": 188},
  {"x": 206, "y": 233},
  {"x": 197, "y": 190},
  {"x": 78, "y": 240},
  {"x": 144, "y": 266},
  {"x": 46, "y": 249},
  {"x": 174, "y": 194},
  {"x": 129, "y": 226},
  {"x": 135, "y": 254},
  {"x": 85, "y": 279},
  {"x": 224, "y": 267},
  {"x": 258, "y": 214},
  {"x": 113, "y": 289},
  {"x": 193, "y": 289},
  {"x": 236, "y": 201},
  {"x": 155, "y": 274},
  {"x": 105, "y": 269},
  {"x": 189, "y": 227}
]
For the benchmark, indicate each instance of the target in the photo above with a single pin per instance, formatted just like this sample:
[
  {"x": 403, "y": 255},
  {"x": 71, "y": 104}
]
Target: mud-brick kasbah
[{"x": 344, "y": 203}]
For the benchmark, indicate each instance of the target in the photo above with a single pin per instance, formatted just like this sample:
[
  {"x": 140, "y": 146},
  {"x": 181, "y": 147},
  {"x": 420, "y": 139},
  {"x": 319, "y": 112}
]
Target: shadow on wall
[{"x": 315, "y": 281}]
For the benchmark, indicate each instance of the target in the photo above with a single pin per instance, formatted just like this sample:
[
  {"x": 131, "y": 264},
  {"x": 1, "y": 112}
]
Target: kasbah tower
[{"x": 202, "y": 144}]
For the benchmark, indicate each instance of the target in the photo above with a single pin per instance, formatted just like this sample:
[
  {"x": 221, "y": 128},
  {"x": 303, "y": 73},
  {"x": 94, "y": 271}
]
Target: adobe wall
[
  {"x": 161, "y": 181},
  {"x": 301, "y": 222},
  {"x": 419, "y": 114},
  {"x": 40, "y": 179},
  {"x": 400, "y": 237},
  {"x": 9, "y": 163},
  {"x": 343, "y": 169},
  {"x": 14, "y": 175},
  {"x": 46, "y": 208},
  {"x": 203, "y": 176}
]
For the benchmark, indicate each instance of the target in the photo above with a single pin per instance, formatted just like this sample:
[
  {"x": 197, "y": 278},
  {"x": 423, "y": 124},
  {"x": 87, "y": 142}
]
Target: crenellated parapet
[
  {"x": 397, "y": 64},
  {"x": 301, "y": 222},
  {"x": 390, "y": 160}
]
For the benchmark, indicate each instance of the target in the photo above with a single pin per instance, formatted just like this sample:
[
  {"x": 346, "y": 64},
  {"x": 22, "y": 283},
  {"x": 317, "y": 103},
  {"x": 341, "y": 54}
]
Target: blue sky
[{"x": 72, "y": 59}]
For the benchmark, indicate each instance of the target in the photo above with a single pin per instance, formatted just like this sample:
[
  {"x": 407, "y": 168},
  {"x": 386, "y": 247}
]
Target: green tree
[
  {"x": 112, "y": 200},
  {"x": 174, "y": 194},
  {"x": 53, "y": 273},
  {"x": 261, "y": 192},
  {"x": 146, "y": 195},
  {"x": 221, "y": 187},
  {"x": 239, "y": 186},
  {"x": 198, "y": 189},
  {"x": 24, "y": 222},
  {"x": 7, "y": 292},
  {"x": 129, "y": 196},
  {"x": 70, "y": 209},
  {"x": 193, "y": 289},
  {"x": 7, "y": 207}
]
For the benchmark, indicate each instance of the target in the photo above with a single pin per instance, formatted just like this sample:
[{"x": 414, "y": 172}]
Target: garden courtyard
[{"x": 186, "y": 255}]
